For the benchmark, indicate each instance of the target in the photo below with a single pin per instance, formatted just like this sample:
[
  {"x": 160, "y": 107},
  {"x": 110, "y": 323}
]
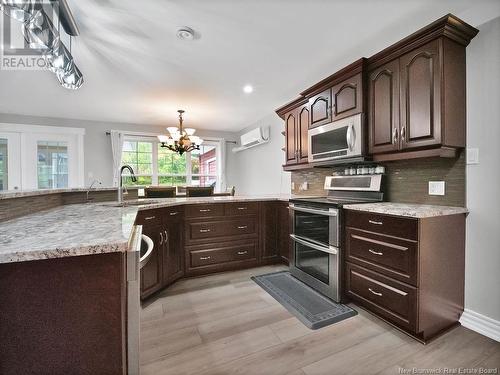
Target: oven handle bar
[
  {"x": 330, "y": 249},
  {"x": 330, "y": 212}
]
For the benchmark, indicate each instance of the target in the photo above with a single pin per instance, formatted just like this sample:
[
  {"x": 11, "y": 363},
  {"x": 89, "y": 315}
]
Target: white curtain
[
  {"x": 116, "y": 149},
  {"x": 222, "y": 173}
]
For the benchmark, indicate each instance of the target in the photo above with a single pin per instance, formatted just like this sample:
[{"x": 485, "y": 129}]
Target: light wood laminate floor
[{"x": 226, "y": 324}]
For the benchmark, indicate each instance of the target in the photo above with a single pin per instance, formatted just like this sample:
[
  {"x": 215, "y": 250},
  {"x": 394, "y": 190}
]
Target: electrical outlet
[
  {"x": 472, "y": 156},
  {"x": 293, "y": 185},
  {"x": 436, "y": 187},
  {"x": 304, "y": 186}
]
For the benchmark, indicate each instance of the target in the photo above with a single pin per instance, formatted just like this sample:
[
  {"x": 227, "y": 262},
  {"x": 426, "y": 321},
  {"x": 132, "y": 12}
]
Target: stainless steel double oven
[{"x": 315, "y": 260}]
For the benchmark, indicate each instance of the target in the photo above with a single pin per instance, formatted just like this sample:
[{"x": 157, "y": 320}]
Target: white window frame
[
  {"x": 13, "y": 160},
  {"x": 189, "y": 175},
  {"x": 26, "y": 138}
]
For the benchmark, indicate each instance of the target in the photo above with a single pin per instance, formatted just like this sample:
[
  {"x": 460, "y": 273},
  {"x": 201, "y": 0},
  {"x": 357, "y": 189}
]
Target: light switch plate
[
  {"x": 304, "y": 186},
  {"x": 436, "y": 187},
  {"x": 472, "y": 156}
]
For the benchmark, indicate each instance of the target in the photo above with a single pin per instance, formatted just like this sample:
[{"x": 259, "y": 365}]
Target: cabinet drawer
[
  {"x": 173, "y": 213},
  {"x": 204, "y": 210},
  {"x": 393, "y": 226},
  {"x": 394, "y": 301},
  {"x": 387, "y": 255},
  {"x": 222, "y": 228},
  {"x": 222, "y": 254},
  {"x": 149, "y": 217},
  {"x": 243, "y": 208}
]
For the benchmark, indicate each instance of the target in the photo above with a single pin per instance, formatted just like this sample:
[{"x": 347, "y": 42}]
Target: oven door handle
[
  {"x": 330, "y": 249},
  {"x": 331, "y": 212}
]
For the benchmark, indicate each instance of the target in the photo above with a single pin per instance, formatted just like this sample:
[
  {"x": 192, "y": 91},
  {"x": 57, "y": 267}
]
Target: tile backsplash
[{"x": 406, "y": 181}]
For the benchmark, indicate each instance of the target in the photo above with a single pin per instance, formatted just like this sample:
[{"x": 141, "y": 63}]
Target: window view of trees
[{"x": 156, "y": 165}]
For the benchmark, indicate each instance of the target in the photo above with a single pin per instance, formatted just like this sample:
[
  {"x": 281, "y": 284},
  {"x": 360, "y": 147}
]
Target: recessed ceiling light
[
  {"x": 185, "y": 33},
  {"x": 247, "y": 89}
]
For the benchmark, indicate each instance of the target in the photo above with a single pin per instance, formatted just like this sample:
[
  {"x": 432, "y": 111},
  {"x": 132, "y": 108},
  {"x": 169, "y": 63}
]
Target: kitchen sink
[{"x": 130, "y": 203}]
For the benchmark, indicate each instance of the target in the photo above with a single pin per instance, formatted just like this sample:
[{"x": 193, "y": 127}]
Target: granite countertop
[
  {"x": 7, "y": 194},
  {"x": 88, "y": 228},
  {"x": 406, "y": 209}
]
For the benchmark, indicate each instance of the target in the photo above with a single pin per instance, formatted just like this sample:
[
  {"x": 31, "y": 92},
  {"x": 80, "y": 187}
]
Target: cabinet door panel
[
  {"x": 320, "y": 109},
  {"x": 290, "y": 134},
  {"x": 151, "y": 273},
  {"x": 347, "y": 98},
  {"x": 270, "y": 249},
  {"x": 173, "y": 260},
  {"x": 420, "y": 97},
  {"x": 383, "y": 108},
  {"x": 302, "y": 129}
]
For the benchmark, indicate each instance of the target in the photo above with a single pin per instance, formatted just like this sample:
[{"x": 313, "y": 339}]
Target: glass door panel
[
  {"x": 313, "y": 262},
  {"x": 312, "y": 226}
]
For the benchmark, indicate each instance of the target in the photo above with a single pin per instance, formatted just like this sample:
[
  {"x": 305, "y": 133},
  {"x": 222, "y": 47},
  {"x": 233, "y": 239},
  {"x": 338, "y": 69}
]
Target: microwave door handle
[
  {"x": 350, "y": 137},
  {"x": 329, "y": 249}
]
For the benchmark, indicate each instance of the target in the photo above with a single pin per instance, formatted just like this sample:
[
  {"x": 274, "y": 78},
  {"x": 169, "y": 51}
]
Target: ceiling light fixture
[
  {"x": 247, "y": 89},
  {"x": 180, "y": 140},
  {"x": 185, "y": 33}
]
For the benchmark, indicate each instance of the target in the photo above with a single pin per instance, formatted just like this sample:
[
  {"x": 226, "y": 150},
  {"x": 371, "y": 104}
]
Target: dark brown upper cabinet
[
  {"x": 383, "y": 108},
  {"x": 302, "y": 140},
  {"x": 321, "y": 108},
  {"x": 297, "y": 117},
  {"x": 347, "y": 97},
  {"x": 421, "y": 96},
  {"x": 290, "y": 136},
  {"x": 416, "y": 93}
]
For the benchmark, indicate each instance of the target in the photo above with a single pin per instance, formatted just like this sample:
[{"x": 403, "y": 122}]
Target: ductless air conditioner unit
[{"x": 253, "y": 138}]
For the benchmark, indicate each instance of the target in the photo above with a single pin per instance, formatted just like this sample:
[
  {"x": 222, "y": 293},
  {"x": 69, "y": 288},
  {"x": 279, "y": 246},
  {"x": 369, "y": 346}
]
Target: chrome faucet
[
  {"x": 120, "y": 188},
  {"x": 90, "y": 188}
]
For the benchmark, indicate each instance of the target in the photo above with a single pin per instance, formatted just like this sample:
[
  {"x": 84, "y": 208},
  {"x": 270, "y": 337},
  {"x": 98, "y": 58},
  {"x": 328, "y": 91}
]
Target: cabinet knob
[
  {"x": 205, "y": 258},
  {"x": 173, "y": 213},
  {"x": 243, "y": 227},
  {"x": 161, "y": 238},
  {"x": 205, "y": 210},
  {"x": 204, "y": 230},
  {"x": 242, "y": 252},
  {"x": 403, "y": 134},
  {"x": 150, "y": 218},
  {"x": 375, "y": 222},
  {"x": 242, "y": 208}
]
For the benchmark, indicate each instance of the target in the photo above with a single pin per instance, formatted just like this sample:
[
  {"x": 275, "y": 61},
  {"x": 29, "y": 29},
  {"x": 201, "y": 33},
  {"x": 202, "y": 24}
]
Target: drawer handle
[
  {"x": 376, "y": 293},
  {"x": 150, "y": 218},
  {"x": 204, "y": 230},
  {"x": 243, "y": 227},
  {"x": 205, "y": 258},
  {"x": 375, "y": 252},
  {"x": 242, "y": 208},
  {"x": 205, "y": 210},
  {"x": 173, "y": 213},
  {"x": 375, "y": 222},
  {"x": 161, "y": 238},
  {"x": 242, "y": 252}
]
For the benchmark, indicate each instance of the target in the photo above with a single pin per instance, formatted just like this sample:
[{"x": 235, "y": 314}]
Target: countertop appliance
[
  {"x": 316, "y": 230},
  {"x": 336, "y": 140}
]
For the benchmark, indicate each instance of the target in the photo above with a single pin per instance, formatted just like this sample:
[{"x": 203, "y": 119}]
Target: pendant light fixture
[{"x": 180, "y": 140}]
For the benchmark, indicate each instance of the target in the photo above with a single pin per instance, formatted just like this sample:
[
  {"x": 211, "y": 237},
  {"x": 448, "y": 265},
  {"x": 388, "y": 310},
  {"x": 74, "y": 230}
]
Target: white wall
[
  {"x": 259, "y": 169},
  {"x": 97, "y": 145},
  {"x": 482, "y": 281}
]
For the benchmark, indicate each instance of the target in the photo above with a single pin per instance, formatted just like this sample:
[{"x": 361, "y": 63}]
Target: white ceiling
[{"x": 137, "y": 71}]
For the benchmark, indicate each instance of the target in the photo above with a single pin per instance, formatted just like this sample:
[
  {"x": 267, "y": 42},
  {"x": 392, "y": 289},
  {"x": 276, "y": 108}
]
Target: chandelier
[{"x": 180, "y": 140}]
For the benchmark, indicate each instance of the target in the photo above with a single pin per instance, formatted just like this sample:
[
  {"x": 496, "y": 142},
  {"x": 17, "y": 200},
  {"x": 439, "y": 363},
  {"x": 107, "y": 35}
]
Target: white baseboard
[{"x": 481, "y": 324}]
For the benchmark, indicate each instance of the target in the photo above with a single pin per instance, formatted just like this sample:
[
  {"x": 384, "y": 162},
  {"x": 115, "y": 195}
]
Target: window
[
  {"x": 156, "y": 165},
  {"x": 52, "y": 164},
  {"x": 4, "y": 164},
  {"x": 139, "y": 155}
]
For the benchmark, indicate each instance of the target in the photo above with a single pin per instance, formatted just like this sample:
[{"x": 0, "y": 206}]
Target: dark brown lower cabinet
[
  {"x": 63, "y": 316},
  {"x": 198, "y": 239},
  {"x": 409, "y": 272}
]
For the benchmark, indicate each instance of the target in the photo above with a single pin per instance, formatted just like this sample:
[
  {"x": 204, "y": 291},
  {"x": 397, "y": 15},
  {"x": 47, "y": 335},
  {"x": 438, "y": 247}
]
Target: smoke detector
[{"x": 185, "y": 33}]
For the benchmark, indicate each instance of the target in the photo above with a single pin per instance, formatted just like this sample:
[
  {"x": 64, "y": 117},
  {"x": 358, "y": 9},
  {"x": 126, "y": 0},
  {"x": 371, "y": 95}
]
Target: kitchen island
[{"x": 64, "y": 284}]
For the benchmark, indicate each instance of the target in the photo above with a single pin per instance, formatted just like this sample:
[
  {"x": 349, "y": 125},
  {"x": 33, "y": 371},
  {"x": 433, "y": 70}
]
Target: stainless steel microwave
[{"x": 336, "y": 140}]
